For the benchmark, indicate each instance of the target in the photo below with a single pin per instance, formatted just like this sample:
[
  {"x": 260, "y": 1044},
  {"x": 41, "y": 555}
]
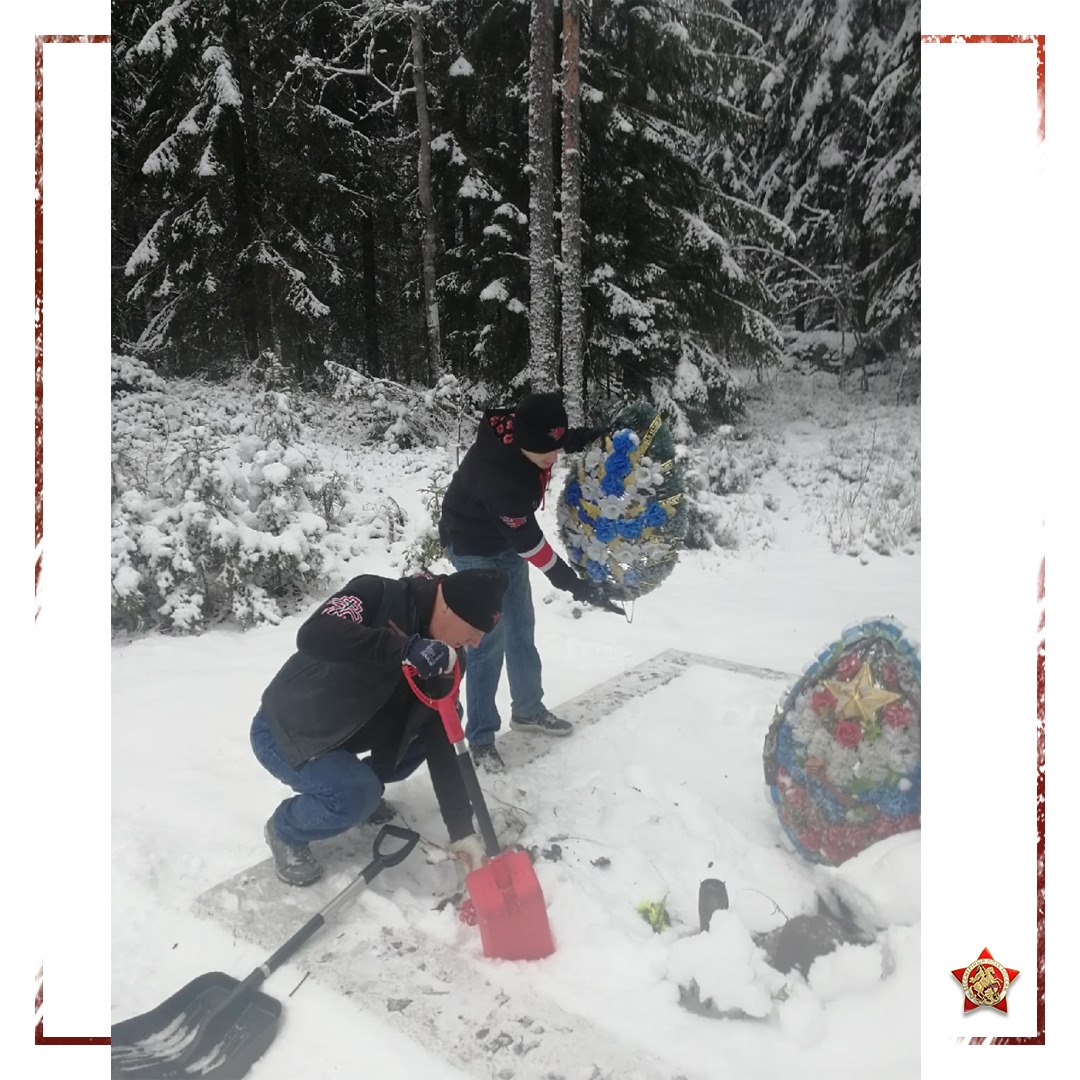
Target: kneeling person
[{"x": 343, "y": 694}]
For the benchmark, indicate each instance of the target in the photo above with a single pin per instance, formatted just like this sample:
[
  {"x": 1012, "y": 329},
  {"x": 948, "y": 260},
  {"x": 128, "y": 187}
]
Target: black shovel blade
[{"x": 189, "y": 1036}]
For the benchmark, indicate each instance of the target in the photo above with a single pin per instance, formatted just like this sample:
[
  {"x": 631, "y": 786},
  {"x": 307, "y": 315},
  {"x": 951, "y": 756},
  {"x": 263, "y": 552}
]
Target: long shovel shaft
[
  {"x": 476, "y": 797},
  {"x": 446, "y": 707},
  {"x": 216, "y": 1026},
  {"x": 236, "y": 1000},
  {"x": 377, "y": 865}
]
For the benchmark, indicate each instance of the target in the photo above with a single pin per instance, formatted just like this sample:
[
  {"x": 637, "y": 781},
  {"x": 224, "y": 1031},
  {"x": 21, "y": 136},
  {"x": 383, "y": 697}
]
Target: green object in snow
[{"x": 654, "y": 912}]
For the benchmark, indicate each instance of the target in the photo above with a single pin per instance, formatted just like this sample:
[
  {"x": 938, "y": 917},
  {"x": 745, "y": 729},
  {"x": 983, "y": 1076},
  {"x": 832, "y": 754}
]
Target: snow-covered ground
[{"x": 667, "y": 788}]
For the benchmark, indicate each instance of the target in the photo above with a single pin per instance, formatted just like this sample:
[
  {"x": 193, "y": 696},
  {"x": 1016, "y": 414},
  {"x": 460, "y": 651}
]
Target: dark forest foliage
[{"x": 746, "y": 167}]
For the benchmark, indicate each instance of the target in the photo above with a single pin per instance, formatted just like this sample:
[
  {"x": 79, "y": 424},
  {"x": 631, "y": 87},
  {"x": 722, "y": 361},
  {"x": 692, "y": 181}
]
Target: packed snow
[{"x": 820, "y": 518}]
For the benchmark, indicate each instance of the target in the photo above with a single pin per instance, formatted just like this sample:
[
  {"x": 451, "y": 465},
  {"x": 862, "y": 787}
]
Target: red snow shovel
[{"x": 506, "y": 895}]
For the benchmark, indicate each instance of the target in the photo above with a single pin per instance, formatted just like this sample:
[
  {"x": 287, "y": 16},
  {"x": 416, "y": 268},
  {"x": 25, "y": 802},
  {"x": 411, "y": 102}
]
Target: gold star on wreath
[{"x": 860, "y": 698}]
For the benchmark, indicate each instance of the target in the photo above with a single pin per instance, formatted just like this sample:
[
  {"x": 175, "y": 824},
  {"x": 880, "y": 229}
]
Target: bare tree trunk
[
  {"x": 570, "y": 204},
  {"x": 541, "y": 369},
  {"x": 373, "y": 354},
  {"x": 431, "y": 301}
]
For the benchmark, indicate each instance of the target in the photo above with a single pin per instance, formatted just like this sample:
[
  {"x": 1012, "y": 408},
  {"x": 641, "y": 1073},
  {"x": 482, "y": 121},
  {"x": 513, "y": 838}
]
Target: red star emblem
[{"x": 985, "y": 982}]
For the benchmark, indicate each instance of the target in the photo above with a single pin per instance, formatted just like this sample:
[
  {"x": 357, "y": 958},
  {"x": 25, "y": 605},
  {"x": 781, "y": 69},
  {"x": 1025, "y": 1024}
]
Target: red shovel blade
[{"x": 510, "y": 908}]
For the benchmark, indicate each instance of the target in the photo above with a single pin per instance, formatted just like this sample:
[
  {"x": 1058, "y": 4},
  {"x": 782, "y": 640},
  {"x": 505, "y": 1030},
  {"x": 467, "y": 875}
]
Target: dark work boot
[
  {"x": 294, "y": 863},
  {"x": 382, "y": 813},
  {"x": 487, "y": 758}
]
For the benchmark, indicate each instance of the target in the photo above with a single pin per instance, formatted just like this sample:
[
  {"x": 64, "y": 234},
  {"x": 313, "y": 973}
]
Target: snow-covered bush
[
  {"x": 427, "y": 548},
  {"x": 218, "y": 513},
  {"x": 398, "y": 416},
  {"x": 873, "y": 500},
  {"x": 723, "y": 464},
  {"x": 130, "y": 374}
]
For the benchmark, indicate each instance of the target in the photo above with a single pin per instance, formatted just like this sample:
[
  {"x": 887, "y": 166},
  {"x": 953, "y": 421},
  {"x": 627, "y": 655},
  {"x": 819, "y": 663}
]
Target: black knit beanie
[
  {"x": 540, "y": 423},
  {"x": 476, "y": 596}
]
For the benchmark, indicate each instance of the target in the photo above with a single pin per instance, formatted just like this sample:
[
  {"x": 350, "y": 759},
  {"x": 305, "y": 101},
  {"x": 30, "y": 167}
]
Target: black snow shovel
[{"x": 216, "y": 1025}]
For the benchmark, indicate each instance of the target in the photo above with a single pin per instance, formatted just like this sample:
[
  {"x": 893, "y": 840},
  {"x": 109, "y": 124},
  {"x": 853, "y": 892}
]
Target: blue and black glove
[{"x": 429, "y": 656}]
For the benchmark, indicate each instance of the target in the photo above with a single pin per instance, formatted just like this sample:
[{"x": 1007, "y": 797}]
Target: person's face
[
  {"x": 545, "y": 460},
  {"x": 448, "y": 627}
]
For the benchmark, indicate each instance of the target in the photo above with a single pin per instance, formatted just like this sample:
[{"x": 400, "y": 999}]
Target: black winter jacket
[
  {"x": 345, "y": 680},
  {"x": 491, "y": 503}
]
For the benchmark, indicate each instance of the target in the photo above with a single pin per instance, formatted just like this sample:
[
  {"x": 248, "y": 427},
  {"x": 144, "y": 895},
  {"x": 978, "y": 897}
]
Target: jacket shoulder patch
[
  {"x": 345, "y": 607},
  {"x": 513, "y": 522}
]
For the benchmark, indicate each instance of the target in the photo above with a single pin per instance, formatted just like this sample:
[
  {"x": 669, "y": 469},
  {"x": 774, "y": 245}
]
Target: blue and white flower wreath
[{"x": 622, "y": 515}]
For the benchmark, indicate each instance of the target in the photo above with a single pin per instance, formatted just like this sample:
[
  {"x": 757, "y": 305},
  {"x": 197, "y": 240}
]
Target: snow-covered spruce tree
[
  {"x": 244, "y": 170},
  {"x": 477, "y": 71},
  {"x": 893, "y": 181},
  {"x": 839, "y": 162},
  {"x": 655, "y": 219},
  {"x": 671, "y": 298},
  {"x": 480, "y": 114}
]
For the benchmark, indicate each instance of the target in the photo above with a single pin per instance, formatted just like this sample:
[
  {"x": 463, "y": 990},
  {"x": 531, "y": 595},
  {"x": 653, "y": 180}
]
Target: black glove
[
  {"x": 428, "y": 656},
  {"x": 562, "y": 577},
  {"x": 578, "y": 438},
  {"x": 592, "y": 592},
  {"x": 584, "y": 590}
]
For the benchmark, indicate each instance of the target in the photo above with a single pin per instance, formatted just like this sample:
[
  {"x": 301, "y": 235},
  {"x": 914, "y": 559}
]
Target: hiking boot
[
  {"x": 382, "y": 813},
  {"x": 293, "y": 863},
  {"x": 544, "y": 722},
  {"x": 487, "y": 758}
]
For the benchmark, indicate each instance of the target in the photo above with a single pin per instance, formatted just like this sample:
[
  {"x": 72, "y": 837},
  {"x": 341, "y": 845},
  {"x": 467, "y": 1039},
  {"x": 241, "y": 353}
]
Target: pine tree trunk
[
  {"x": 431, "y": 301},
  {"x": 573, "y": 369},
  {"x": 541, "y": 368},
  {"x": 373, "y": 354}
]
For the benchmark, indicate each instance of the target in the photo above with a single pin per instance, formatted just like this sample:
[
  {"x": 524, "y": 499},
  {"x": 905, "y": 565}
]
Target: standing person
[
  {"x": 343, "y": 694},
  {"x": 489, "y": 520}
]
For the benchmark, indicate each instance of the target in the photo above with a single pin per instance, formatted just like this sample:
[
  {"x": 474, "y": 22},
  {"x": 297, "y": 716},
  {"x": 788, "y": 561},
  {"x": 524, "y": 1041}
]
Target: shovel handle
[
  {"x": 445, "y": 706},
  {"x": 383, "y": 859}
]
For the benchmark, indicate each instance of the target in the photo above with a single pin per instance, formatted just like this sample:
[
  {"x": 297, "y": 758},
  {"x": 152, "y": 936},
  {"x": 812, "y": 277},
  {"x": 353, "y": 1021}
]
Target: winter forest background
[
  {"x": 357, "y": 224},
  {"x": 340, "y": 231}
]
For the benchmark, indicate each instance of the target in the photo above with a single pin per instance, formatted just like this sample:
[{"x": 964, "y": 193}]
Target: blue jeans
[
  {"x": 514, "y": 638},
  {"x": 336, "y": 790}
]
